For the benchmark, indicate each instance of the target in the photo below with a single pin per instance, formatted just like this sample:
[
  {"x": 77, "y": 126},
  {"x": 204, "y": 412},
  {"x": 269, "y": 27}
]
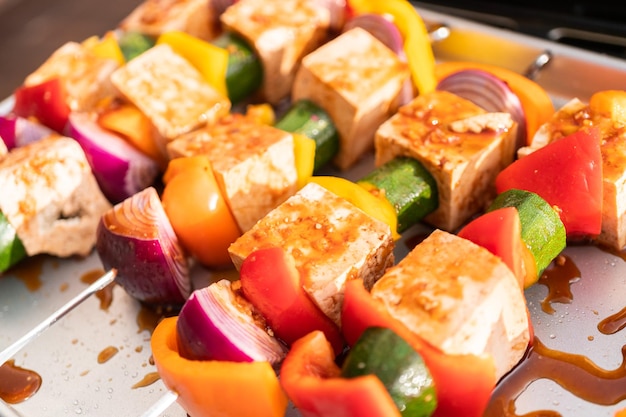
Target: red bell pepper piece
[
  {"x": 311, "y": 379},
  {"x": 500, "y": 232},
  {"x": 567, "y": 173},
  {"x": 464, "y": 383},
  {"x": 271, "y": 282},
  {"x": 47, "y": 102}
]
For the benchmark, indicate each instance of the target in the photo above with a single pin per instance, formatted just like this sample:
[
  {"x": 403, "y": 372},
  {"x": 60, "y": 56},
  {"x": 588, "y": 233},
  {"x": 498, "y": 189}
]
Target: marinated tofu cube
[
  {"x": 460, "y": 144},
  {"x": 51, "y": 198},
  {"x": 170, "y": 92},
  {"x": 357, "y": 80},
  {"x": 281, "y": 32},
  {"x": 84, "y": 75},
  {"x": 254, "y": 164},
  {"x": 460, "y": 298},
  {"x": 331, "y": 240},
  {"x": 154, "y": 17}
]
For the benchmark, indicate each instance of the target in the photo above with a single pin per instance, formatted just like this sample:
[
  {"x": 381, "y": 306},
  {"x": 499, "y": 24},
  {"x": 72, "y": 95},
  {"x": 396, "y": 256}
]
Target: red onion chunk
[
  {"x": 18, "y": 131},
  {"x": 121, "y": 169},
  {"x": 136, "y": 238},
  {"x": 217, "y": 323},
  {"x": 489, "y": 92}
]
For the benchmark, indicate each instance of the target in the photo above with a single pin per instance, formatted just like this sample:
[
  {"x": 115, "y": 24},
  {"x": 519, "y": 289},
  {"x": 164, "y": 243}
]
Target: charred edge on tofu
[
  {"x": 11, "y": 248},
  {"x": 306, "y": 118},
  {"x": 244, "y": 73},
  {"x": 408, "y": 186}
]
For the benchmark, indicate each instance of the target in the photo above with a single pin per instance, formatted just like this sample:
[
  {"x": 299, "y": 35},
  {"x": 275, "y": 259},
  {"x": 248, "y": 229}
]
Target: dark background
[{"x": 30, "y": 30}]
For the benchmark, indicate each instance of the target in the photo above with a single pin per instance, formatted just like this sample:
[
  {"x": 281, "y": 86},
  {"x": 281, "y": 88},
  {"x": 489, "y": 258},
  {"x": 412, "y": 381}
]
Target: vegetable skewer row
[
  {"x": 590, "y": 142},
  {"x": 517, "y": 285}
]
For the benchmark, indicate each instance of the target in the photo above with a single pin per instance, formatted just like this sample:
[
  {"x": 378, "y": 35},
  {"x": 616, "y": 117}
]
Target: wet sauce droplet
[
  {"x": 148, "y": 379},
  {"x": 17, "y": 384},
  {"x": 30, "y": 272},
  {"x": 575, "y": 373},
  {"x": 558, "y": 277},
  {"x": 105, "y": 295},
  {"x": 107, "y": 353},
  {"x": 613, "y": 323}
]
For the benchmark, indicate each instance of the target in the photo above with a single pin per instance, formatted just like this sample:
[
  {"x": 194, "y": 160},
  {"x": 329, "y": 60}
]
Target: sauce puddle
[{"x": 17, "y": 384}]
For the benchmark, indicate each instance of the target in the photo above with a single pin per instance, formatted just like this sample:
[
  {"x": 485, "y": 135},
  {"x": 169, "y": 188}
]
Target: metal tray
[{"x": 74, "y": 383}]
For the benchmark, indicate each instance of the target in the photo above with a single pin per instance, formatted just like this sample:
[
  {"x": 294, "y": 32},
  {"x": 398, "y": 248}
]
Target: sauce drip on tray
[
  {"x": 105, "y": 295},
  {"x": 575, "y": 373},
  {"x": 17, "y": 384},
  {"x": 558, "y": 277}
]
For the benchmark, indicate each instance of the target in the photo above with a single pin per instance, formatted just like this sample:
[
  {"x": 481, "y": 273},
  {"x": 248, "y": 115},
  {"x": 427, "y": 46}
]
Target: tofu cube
[
  {"x": 460, "y": 144},
  {"x": 357, "y": 80},
  {"x": 460, "y": 298},
  {"x": 281, "y": 32},
  {"x": 84, "y": 75},
  {"x": 170, "y": 92},
  {"x": 253, "y": 163},
  {"x": 154, "y": 17},
  {"x": 51, "y": 198},
  {"x": 331, "y": 240}
]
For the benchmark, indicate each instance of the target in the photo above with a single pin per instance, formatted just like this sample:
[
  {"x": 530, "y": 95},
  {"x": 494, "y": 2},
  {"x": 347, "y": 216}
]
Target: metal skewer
[
  {"x": 161, "y": 405},
  {"x": 102, "y": 282}
]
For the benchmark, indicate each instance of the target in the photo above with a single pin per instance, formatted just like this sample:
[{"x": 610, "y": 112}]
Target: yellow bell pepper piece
[
  {"x": 105, "y": 47},
  {"x": 378, "y": 208},
  {"x": 304, "y": 150},
  {"x": 417, "y": 45},
  {"x": 210, "y": 60}
]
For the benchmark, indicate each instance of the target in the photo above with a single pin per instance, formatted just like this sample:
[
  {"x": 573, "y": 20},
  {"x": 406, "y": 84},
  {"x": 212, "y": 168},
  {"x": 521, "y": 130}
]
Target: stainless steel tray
[{"x": 74, "y": 383}]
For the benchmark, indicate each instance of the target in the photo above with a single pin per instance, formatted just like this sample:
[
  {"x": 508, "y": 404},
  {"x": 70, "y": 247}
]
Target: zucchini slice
[
  {"x": 543, "y": 231},
  {"x": 308, "y": 119},
  {"x": 244, "y": 73},
  {"x": 408, "y": 186},
  {"x": 382, "y": 352},
  {"x": 11, "y": 248}
]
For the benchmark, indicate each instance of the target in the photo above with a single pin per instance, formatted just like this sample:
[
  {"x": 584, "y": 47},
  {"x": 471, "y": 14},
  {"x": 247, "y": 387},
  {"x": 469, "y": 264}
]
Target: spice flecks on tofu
[
  {"x": 51, "y": 198},
  {"x": 84, "y": 75},
  {"x": 460, "y": 144},
  {"x": 253, "y": 163},
  {"x": 155, "y": 17},
  {"x": 357, "y": 80},
  {"x": 330, "y": 239},
  {"x": 170, "y": 92},
  {"x": 281, "y": 32},
  {"x": 460, "y": 298}
]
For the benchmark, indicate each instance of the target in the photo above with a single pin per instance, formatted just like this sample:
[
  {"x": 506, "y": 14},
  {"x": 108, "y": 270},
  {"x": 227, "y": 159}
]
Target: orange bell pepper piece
[
  {"x": 216, "y": 388},
  {"x": 132, "y": 124}
]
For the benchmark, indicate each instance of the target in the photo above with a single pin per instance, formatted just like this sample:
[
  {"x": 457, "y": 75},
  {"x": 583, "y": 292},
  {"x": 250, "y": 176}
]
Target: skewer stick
[
  {"x": 161, "y": 405},
  {"x": 102, "y": 282}
]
